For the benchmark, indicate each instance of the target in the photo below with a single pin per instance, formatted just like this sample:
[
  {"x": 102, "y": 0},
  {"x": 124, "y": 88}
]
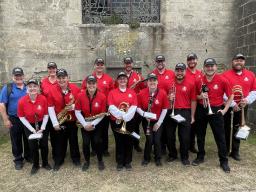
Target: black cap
[
  {"x": 239, "y": 56},
  {"x": 91, "y": 78},
  {"x": 99, "y": 60},
  {"x": 122, "y": 74},
  {"x": 160, "y": 58},
  {"x": 151, "y": 76},
  {"x": 17, "y": 71},
  {"x": 34, "y": 81},
  {"x": 61, "y": 72},
  {"x": 210, "y": 61},
  {"x": 128, "y": 60},
  {"x": 180, "y": 66},
  {"x": 191, "y": 56},
  {"x": 52, "y": 64}
]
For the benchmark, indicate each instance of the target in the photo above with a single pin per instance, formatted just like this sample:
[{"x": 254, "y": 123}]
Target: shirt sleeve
[
  {"x": 45, "y": 105},
  {"x": 110, "y": 99},
  {"x": 50, "y": 100},
  {"x": 20, "y": 110},
  {"x": 104, "y": 103},
  {"x": 78, "y": 103},
  {"x": 227, "y": 88},
  {"x": 193, "y": 92},
  {"x": 3, "y": 95},
  {"x": 166, "y": 103}
]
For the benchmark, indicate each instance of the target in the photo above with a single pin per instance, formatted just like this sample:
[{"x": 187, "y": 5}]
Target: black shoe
[
  {"x": 128, "y": 167},
  {"x": 56, "y": 167},
  {"x": 158, "y": 163},
  {"x": 193, "y": 150},
  {"x": 225, "y": 167},
  {"x": 47, "y": 167},
  {"x": 93, "y": 153},
  {"x": 106, "y": 154},
  {"x": 185, "y": 162},
  {"x": 197, "y": 161},
  {"x": 119, "y": 167},
  {"x": 77, "y": 163},
  {"x": 235, "y": 157},
  {"x": 34, "y": 170},
  {"x": 18, "y": 166},
  {"x": 171, "y": 159},
  {"x": 144, "y": 162},
  {"x": 85, "y": 166},
  {"x": 138, "y": 149},
  {"x": 101, "y": 165}
]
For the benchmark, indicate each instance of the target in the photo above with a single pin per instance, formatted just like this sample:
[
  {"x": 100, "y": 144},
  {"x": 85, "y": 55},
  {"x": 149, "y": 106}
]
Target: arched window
[{"x": 120, "y": 11}]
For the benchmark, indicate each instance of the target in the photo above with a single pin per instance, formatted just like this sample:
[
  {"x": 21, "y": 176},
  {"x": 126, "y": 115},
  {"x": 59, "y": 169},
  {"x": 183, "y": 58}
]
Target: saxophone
[{"x": 63, "y": 115}]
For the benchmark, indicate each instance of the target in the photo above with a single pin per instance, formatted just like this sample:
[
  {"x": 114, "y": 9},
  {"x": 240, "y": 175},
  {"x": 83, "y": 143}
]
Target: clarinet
[
  {"x": 151, "y": 98},
  {"x": 36, "y": 122}
]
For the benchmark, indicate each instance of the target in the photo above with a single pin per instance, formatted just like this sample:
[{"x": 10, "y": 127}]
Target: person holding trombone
[{"x": 210, "y": 90}]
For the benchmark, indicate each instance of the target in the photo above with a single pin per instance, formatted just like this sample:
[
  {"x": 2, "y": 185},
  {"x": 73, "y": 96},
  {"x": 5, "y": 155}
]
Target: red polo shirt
[
  {"x": 105, "y": 83},
  {"x": 28, "y": 109},
  {"x": 58, "y": 100},
  {"x": 91, "y": 106},
  {"x": 217, "y": 87},
  {"x": 193, "y": 76},
  {"x": 165, "y": 79},
  {"x": 185, "y": 93},
  {"x": 46, "y": 85},
  {"x": 116, "y": 97},
  {"x": 160, "y": 101},
  {"x": 133, "y": 78},
  {"x": 246, "y": 79}
]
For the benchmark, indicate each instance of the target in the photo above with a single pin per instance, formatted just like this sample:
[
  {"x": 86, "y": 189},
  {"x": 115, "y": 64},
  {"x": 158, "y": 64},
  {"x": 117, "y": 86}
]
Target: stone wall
[{"x": 246, "y": 42}]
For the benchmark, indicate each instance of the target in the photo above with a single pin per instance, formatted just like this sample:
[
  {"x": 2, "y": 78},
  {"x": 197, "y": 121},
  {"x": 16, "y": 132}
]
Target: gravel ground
[{"x": 170, "y": 177}]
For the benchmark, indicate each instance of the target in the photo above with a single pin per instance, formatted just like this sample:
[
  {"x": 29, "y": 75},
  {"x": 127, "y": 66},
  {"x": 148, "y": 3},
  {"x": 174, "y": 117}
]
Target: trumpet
[
  {"x": 206, "y": 101},
  {"x": 123, "y": 107},
  {"x": 172, "y": 92}
]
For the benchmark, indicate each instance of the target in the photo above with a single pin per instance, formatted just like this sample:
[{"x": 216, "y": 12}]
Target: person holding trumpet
[
  {"x": 122, "y": 103},
  {"x": 210, "y": 90},
  {"x": 61, "y": 105},
  {"x": 152, "y": 106},
  {"x": 182, "y": 97},
  {"x": 33, "y": 113},
  {"x": 238, "y": 76},
  {"x": 92, "y": 104}
]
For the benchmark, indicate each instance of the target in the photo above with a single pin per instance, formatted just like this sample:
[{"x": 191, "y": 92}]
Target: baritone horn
[
  {"x": 238, "y": 97},
  {"x": 123, "y": 107}
]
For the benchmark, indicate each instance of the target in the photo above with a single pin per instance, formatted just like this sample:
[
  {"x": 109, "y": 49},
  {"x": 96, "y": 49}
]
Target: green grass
[{"x": 4, "y": 138}]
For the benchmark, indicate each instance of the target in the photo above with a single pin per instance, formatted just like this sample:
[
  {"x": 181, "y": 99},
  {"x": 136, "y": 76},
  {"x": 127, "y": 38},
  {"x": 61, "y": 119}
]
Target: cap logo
[{"x": 215, "y": 87}]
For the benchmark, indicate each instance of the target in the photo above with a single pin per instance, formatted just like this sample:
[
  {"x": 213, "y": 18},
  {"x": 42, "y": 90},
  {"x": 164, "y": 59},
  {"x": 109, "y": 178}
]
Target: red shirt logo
[
  {"x": 156, "y": 102},
  {"x": 130, "y": 95},
  {"x": 215, "y": 87},
  {"x": 104, "y": 82},
  {"x": 246, "y": 79},
  {"x": 39, "y": 108},
  {"x": 167, "y": 77},
  {"x": 184, "y": 88},
  {"x": 96, "y": 104}
]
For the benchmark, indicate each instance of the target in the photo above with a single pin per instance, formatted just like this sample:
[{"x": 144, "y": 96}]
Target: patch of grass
[{"x": 4, "y": 139}]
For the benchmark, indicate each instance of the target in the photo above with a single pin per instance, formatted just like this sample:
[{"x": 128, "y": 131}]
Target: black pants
[
  {"x": 236, "y": 123},
  {"x": 192, "y": 142},
  {"x": 35, "y": 145},
  {"x": 105, "y": 123},
  {"x": 137, "y": 121},
  {"x": 216, "y": 122},
  {"x": 95, "y": 137},
  {"x": 153, "y": 139},
  {"x": 19, "y": 140},
  {"x": 50, "y": 131},
  {"x": 164, "y": 128},
  {"x": 62, "y": 137},
  {"x": 124, "y": 143},
  {"x": 183, "y": 134}
]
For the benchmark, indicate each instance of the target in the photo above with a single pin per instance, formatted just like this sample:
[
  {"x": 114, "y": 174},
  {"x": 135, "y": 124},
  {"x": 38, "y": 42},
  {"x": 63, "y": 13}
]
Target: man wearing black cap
[
  {"x": 62, "y": 97},
  {"x": 183, "y": 102},
  {"x": 9, "y": 97},
  {"x": 122, "y": 103},
  {"x": 210, "y": 90},
  {"x": 192, "y": 73},
  {"x": 152, "y": 106},
  {"x": 238, "y": 76},
  {"x": 165, "y": 77},
  {"x": 134, "y": 82},
  {"x": 105, "y": 84},
  {"x": 47, "y": 83},
  {"x": 92, "y": 103}
]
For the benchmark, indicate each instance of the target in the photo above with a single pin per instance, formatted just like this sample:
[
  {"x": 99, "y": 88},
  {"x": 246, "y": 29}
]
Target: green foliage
[{"x": 134, "y": 24}]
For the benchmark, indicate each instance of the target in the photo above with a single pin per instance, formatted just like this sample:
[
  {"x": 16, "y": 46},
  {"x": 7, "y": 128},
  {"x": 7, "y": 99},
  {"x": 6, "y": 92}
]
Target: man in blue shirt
[{"x": 9, "y": 98}]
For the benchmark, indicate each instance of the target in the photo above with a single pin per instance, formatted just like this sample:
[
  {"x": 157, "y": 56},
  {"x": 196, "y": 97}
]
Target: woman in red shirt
[{"x": 33, "y": 113}]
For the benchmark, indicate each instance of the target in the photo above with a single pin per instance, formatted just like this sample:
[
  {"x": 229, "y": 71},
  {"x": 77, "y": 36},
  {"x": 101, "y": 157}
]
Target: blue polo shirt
[{"x": 14, "y": 97}]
